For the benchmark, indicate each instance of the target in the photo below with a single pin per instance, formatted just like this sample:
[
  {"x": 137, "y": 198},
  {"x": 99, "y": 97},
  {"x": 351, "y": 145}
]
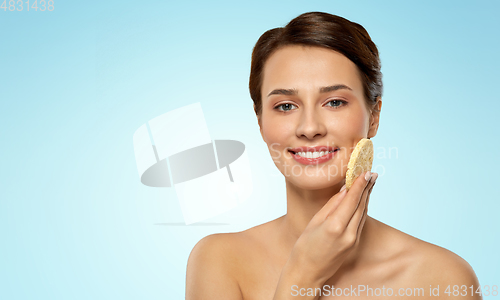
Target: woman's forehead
[{"x": 306, "y": 67}]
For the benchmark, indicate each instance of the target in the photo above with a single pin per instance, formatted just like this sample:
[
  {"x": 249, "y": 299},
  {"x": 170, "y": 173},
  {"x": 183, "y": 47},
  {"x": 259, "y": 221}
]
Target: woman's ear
[{"x": 375, "y": 118}]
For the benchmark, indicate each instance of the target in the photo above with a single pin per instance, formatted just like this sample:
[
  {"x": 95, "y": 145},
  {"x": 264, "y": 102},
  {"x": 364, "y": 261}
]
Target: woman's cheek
[{"x": 274, "y": 150}]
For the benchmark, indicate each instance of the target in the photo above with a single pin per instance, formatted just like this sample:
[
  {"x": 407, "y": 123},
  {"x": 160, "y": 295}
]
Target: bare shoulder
[
  {"x": 218, "y": 262},
  {"x": 444, "y": 267},
  {"x": 211, "y": 268},
  {"x": 429, "y": 264}
]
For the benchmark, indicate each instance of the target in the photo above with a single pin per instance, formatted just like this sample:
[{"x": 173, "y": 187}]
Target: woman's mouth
[{"x": 313, "y": 157}]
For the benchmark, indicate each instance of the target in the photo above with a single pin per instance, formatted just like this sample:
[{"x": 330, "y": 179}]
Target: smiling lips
[{"x": 313, "y": 155}]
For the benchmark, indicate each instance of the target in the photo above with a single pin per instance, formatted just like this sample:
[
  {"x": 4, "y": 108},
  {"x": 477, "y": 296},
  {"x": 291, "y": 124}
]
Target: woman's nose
[{"x": 310, "y": 125}]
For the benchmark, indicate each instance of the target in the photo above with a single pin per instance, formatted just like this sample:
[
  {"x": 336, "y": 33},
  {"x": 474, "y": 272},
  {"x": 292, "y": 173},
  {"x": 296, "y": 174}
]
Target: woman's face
[{"x": 313, "y": 96}]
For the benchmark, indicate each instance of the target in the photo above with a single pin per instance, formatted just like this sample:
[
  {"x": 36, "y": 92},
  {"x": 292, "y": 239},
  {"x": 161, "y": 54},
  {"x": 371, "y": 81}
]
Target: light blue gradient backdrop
[{"x": 75, "y": 83}]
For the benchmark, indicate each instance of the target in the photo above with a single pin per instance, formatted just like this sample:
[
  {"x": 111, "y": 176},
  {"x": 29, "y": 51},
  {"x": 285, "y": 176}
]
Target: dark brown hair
[{"x": 322, "y": 30}]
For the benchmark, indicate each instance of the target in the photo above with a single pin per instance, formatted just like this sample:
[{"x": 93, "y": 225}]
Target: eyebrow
[{"x": 325, "y": 89}]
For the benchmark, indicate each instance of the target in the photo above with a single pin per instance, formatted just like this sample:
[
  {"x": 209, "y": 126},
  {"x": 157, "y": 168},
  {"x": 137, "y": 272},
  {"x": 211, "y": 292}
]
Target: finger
[
  {"x": 363, "y": 221},
  {"x": 346, "y": 209},
  {"x": 361, "y": 225},
  {"x": 355, "y": 221},
  {"x": 334, "y": 203},
  {"x": 366, "y": 213},
  {"x": 331, "y": 205}
]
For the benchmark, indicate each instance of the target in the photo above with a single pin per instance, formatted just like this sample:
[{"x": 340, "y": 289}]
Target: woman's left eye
[{"x": 340, "y": 102}]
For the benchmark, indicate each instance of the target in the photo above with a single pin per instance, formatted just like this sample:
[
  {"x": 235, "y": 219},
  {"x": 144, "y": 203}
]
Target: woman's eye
[
  {"x": 338, "y": 102},
  {"x": 285, "y": 106}
]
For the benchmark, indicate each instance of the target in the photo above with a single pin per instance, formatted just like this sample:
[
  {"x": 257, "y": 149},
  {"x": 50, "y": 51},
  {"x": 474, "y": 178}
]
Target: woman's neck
[{"x": 303, "y": 204}]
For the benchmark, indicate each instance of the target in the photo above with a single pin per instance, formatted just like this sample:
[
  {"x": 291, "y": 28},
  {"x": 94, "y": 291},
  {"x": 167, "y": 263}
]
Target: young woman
[{"x": 317, "y": 86}]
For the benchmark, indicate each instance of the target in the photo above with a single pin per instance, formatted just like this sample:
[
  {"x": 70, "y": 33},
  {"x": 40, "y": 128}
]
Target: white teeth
[{"x": 312, "y": 154}]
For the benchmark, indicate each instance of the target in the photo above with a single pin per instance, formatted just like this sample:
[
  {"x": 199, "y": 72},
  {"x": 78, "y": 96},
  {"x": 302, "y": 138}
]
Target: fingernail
[
  {"x": 374, "y": 177},
  {"x": 343, "y": 188},
  {"x": 368, "y": 176}
]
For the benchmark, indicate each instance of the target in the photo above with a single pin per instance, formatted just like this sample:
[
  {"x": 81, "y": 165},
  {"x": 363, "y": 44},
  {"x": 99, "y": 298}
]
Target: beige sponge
[{"x": 361, "y": 161}]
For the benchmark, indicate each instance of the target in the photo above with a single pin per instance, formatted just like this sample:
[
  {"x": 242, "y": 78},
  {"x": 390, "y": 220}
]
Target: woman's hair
[{"x": 322, "y": 30}]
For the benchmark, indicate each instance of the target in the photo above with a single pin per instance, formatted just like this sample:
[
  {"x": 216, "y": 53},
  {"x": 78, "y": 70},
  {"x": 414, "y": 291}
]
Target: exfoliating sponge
[{"x": 361, "y": 161}]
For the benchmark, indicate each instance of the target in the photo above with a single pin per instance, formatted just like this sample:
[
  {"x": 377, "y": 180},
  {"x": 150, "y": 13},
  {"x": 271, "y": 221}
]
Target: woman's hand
[{"x": 333, "y": 232}]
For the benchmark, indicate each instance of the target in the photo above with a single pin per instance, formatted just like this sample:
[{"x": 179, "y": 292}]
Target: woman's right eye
[{"x": 285, "y": 107}]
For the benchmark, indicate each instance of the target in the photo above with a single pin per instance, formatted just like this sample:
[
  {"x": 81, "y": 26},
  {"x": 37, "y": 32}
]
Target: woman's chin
[{"x": 315, "y": 182}]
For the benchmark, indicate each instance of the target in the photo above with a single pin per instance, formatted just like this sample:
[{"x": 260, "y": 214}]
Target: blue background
[{"x": 75, "y": 84}]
